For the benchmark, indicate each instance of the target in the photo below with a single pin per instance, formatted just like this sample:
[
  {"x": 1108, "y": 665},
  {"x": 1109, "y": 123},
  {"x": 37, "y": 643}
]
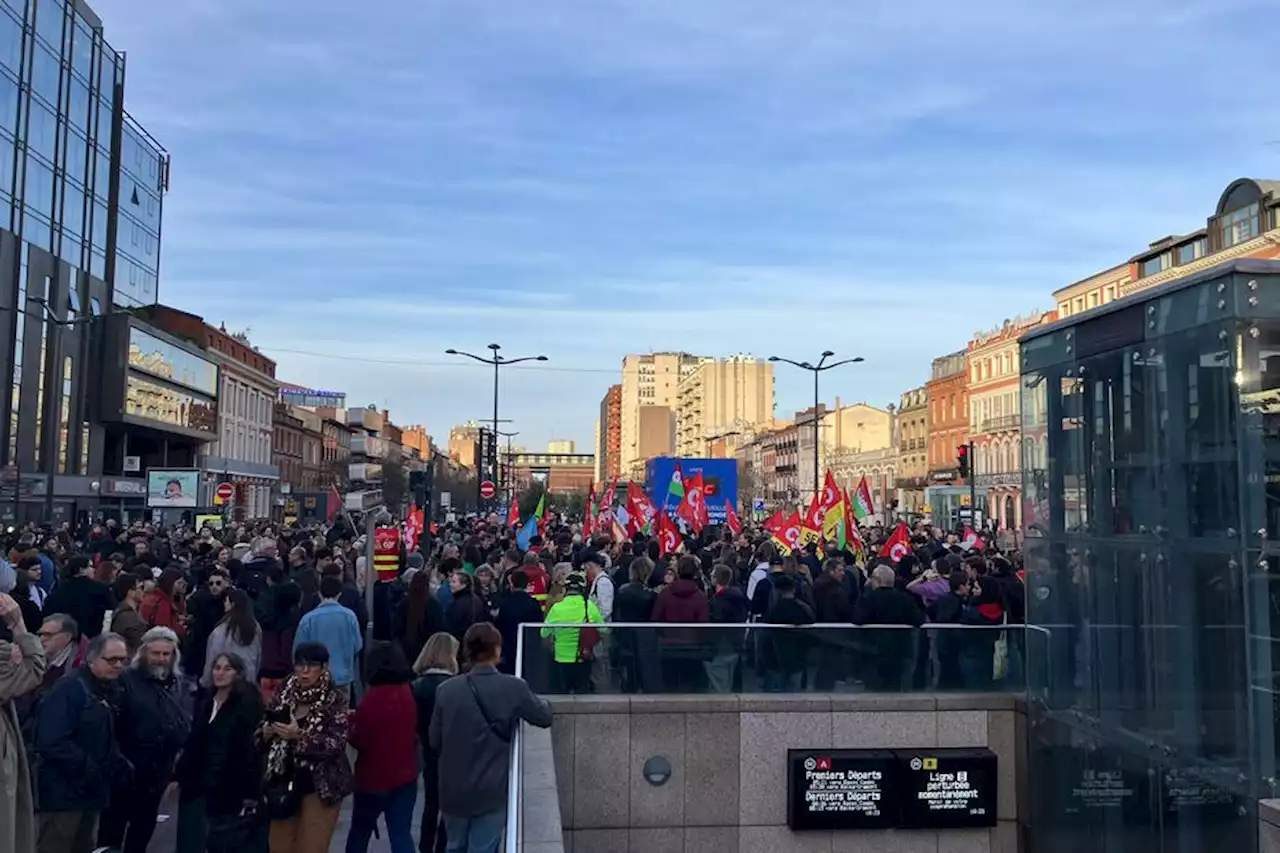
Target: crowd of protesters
[{"x": 226, "y": 671}]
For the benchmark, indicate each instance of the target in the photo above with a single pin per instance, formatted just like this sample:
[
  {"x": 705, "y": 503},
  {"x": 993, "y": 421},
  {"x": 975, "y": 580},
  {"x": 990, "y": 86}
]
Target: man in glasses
[{"x": 77, "y": 749}]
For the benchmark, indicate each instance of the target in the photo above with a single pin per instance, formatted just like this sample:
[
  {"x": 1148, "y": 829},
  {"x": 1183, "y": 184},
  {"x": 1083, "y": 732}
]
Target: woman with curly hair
[{"x": 307, "y": 774}]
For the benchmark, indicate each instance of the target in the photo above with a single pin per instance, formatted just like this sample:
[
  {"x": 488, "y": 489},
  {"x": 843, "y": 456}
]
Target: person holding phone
[{"x": 307, "y": 773}]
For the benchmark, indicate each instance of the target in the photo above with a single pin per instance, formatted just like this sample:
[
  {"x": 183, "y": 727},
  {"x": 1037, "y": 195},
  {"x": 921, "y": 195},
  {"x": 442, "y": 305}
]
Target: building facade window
[
  {"x": 1158, "y": 264},
  {"x": 64, "y": 416},
  {"x": 1238, "y": 226},
  {"x": 1192, "y": 251}
]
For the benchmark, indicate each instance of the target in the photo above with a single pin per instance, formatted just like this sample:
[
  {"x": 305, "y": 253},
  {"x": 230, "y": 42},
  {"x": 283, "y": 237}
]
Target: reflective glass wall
[{"x": 1148, "y": 435}]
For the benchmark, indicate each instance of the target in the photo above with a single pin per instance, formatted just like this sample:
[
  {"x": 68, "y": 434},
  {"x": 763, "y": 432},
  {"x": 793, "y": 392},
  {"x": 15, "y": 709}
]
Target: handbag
[
  {"x": 282, "y": 795},
  {"x": 246, "y": 832},
  {"x": 588, "y": 638}
]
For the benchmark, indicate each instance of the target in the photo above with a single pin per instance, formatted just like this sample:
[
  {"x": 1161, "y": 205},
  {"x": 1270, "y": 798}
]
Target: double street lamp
[
  {"x": 817, "y": 369},
  {"x": 498, "y": 361}
]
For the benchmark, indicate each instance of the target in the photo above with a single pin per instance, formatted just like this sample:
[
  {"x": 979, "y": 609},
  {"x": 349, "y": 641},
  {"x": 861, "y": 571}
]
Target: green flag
[{"x": 676, "y": 488}]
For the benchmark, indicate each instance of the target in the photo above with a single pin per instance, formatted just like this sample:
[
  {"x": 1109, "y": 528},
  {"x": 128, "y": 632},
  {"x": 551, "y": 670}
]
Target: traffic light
[{"x": 962, "y": 460}]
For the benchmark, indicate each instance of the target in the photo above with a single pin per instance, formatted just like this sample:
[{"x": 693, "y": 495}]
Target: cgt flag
[
  {"x": 668, "y": 536},
  {"x": 693, "y": 507},
  {"x": 899, "y": 543}
]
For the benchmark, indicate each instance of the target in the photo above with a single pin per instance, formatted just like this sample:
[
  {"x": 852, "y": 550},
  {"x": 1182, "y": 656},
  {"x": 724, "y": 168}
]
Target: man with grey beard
[{"x": 151, "y": 726}]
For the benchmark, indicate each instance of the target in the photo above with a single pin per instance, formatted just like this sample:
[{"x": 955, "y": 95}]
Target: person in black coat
[
  {"x": 80, "y": 759},
  {"x": 467, "y": 608},
  {"x": 436, "y": 665},
  {"x": 81, "y": 597},
  {"x": 516, "y": 607},
  {"x": 635, "y": 650},
  {"x": 151, "y": 727},
  {"x": 205, "y": 609},
  {"x": 882, "y": 603},
  {"x": 729, "y": 606},
  {"x": 831, "y": 603},
  {"x": 220, "y": 770},
  {"x": 418, "y": 615},
  {"x": 785, "y": 651}
]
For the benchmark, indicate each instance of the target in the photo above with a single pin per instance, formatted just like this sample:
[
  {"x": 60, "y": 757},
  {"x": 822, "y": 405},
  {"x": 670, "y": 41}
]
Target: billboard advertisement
[
  {"x": 719, "y": 475},
  {"x": 173, "y": 488}
]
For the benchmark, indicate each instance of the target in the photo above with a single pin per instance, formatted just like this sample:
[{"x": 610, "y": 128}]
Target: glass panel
[
  {"x": 8, "y": 104},
  {"x": 49, "y": 19},
  {"x": 6, "y": 174},
  {"x": 98, "y": 230},
  {"x": 73, "y": 211},
  {"x": 107, "y": 75},
  {"x": 156, "y": 402},
  {"x": 44, "y": 328},
  {"x": 78, "y": 104},
  {"x": 45, "y": 73},
  {"x": 38, "y": 192},
  {"x": 42, "y": 134},
  {"x": 10, "y": 42},
  {"x": 77, "y": 151},
  {"x": 163, "y": 359},
  {"x": 82, "y": 51},
  {"x": 64, "y": 415},
  {"x": 740, "y": 658}
]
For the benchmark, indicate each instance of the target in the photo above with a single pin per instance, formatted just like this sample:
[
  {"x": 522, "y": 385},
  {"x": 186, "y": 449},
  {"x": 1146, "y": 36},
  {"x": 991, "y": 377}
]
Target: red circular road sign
[
  {"x": 225, "y": 491},
  {"x": 488, "y": 489}
]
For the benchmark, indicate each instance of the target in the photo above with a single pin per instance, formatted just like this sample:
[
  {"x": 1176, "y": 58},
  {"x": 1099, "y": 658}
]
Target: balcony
[
  {"x": 1001, "y": 423},
  {"x": 367, "y": 472},
  {"x": 368, "y": 445},
  {"x": 366, "y": 419}
]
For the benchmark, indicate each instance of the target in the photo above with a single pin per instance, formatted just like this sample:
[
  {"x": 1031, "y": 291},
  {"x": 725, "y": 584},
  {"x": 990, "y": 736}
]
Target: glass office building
[
  {"x": 80, "y": 191},
  {"x": 1151, "y": 448}
]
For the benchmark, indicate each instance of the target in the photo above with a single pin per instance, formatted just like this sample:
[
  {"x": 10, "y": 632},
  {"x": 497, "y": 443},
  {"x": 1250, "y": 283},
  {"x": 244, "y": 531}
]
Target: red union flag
[
  {"x": 386, "y": 552},
  {"x": 693, "y": 506},
  {"x": 668, "y": 535},
  {"x": 731, "y": 519},
  {"x": 899, "y": 543},
  {"x": 791, "y": 533}
]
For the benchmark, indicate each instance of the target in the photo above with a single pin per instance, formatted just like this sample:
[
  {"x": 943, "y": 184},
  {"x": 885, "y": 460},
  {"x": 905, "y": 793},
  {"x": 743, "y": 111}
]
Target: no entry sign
[
  {"x": 488, "y": 489},
  {"x": 224, "y": 493}
]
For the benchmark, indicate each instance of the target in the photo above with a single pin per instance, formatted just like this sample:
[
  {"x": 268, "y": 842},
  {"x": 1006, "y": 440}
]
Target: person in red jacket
[
  {"x": 165, "y": 606},
  {"x": 682, "y": 649},
  {"x": 384, "y": 732}
]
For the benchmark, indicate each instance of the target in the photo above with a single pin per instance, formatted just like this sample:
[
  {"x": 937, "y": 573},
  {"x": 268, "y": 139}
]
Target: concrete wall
[
  {"x": 540, "y": 830},
  {"x": 728, "y": 789},
  {"x": 1268, "y": 826}
]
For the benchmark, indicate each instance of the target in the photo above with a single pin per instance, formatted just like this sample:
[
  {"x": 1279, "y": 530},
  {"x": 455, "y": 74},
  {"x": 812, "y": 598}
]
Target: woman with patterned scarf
[{"x": 308, "y": 774}]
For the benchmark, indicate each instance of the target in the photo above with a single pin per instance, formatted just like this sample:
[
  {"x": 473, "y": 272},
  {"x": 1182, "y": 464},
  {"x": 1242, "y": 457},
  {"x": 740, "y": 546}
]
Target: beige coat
[{"x": 17, "y": 820}]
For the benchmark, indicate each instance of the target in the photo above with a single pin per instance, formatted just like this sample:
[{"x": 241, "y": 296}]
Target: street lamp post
[
  {"x": 498, "y": 361},
  {"x": 817, "y": 369}
]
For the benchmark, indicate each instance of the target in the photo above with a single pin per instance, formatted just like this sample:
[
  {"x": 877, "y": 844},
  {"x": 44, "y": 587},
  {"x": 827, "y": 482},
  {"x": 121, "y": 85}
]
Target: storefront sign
[
  {"x": 124, "y": 487},
  {"x": 881, "y": 789},
  {"x": 944, "y": 476},
  {"x": 1008, "y": 478}
]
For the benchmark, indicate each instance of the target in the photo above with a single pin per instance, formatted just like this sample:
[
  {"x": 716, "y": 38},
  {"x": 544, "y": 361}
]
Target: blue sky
[{"x": 586, "y": 178}]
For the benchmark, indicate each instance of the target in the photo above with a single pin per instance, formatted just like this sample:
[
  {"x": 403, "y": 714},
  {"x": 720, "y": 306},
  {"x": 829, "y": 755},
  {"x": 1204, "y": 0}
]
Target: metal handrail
[{"x": 512, "y": 843}]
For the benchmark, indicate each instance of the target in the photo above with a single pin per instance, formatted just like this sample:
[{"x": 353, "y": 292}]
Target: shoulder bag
[{"x": 498, "y": 732}]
